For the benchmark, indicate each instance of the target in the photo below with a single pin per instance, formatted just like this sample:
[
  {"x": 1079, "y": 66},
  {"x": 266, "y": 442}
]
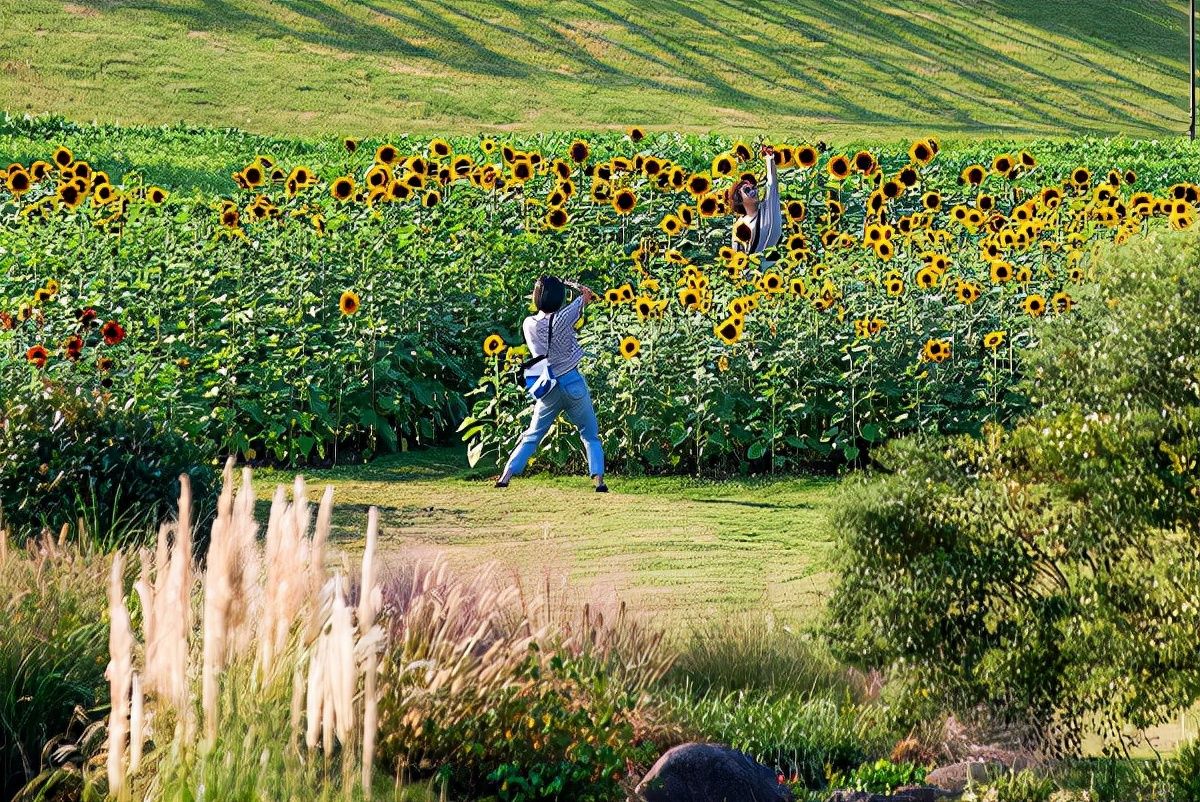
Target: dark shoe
[
  {"x": 501, "y": 483},
  {"x": 601, "y": 488}
]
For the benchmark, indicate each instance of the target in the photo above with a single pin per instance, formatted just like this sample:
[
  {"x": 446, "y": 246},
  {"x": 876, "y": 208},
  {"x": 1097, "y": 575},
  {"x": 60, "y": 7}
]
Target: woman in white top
[
  {"x": 570, "y": 394},
  {"x": 761, "y": 215}
]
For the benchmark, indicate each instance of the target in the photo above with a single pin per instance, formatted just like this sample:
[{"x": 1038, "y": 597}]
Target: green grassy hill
[{"x": 839, "y": 68}]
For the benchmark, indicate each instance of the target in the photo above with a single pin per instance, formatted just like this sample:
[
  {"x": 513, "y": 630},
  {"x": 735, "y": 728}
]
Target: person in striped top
[{"x": 571, "y": 394}]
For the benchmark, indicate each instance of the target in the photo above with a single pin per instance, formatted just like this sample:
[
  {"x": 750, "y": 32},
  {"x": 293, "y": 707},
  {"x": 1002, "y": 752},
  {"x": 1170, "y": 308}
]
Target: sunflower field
[{"x": 294, "y": 300}]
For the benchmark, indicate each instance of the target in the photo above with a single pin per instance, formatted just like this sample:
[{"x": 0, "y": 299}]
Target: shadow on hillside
[{"x": 785, "y": 59}]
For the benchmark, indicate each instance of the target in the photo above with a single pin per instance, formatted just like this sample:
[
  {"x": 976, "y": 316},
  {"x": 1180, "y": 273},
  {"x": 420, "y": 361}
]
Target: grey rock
[{"x": 697, "y": 772}]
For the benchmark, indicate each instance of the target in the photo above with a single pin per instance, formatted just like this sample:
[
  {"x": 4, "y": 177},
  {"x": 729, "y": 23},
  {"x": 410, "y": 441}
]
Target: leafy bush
[
  {"x": 1024, "y": 786},
  {"x": 565, "y": 735},
  {"x": 53, "y": 650},
  {"x": 486, "y": 690},
  {"x": 881, "y": 777},
  {"x": 1111, "y": 779},
  {"x": 801, "y": 736},
  {"x": 1050, "y": 574},
  {"x": 1182, "y": 772},
  {"x": 66, "y": 457}
]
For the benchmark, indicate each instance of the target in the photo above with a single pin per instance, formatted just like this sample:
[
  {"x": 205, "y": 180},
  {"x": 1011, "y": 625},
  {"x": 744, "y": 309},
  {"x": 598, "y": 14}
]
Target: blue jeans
[{"x": 570, "y": 395}]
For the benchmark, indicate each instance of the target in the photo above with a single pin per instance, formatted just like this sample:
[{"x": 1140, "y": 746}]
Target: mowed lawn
[
  {"x": 830, "y": 68},
  {"x": 685, "y": 550}
]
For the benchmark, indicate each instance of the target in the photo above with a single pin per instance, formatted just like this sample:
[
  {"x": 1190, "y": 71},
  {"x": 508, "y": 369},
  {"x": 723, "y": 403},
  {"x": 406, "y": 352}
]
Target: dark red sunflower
[
  {"x": 37, "y": 355},
  {"x": 113, "y": 332}
]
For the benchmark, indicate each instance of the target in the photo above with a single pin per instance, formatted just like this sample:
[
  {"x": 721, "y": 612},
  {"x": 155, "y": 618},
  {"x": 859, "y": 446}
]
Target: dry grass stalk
[
  {"x": 288, "y": 557},
  {"x": 231, "y": 591},
  {"x": 137, "y": 724},
  {"x": 165, "y": 588},
  {"x": 370, "y": 601},
  {"x": 120, "y": 676}
]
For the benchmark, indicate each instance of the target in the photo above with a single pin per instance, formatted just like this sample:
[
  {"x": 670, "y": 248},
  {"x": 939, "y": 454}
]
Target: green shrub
[
  {"x": 559, "y": 727},
  {"x": 1183, "y": 771},
  {"x": 1050, "y": 574},
  {"x": 803, "y": 737},
  {"x": 497, "y": 693},
  {"x": 566, "y": 735},
  {"x": 881, "y": 777},
  {"x": 66, "y": 457},
  {"x": 53, "y": 650},
  {"x": 1025, "y": 786},
  {"x": 1110, "y": 779}
]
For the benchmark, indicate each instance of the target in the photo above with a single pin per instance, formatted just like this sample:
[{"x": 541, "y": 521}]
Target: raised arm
[
  {"x": 768, "y": 153},
  {"x": 772, "y": 212},
  {"x": 584, "y": 292}
]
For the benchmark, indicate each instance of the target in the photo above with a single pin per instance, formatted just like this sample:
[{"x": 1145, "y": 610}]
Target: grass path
[
  {"x": 683, "y": 548},
  {"x": 834, "y": 68}
]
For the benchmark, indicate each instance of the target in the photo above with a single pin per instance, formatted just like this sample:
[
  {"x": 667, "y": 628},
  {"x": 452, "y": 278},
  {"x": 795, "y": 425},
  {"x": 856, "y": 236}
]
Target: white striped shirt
[{"x": 565, "y": 355}]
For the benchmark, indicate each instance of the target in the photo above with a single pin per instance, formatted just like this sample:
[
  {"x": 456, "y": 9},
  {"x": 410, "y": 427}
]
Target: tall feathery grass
[{"x": 252, "y": 676}]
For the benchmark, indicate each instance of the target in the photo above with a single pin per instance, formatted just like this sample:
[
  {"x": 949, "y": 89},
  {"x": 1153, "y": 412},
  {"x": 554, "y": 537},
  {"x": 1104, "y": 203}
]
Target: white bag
[{"x": 539, "y": 378}]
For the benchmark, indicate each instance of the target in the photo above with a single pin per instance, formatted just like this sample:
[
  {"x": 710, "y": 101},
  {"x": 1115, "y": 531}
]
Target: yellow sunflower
[
  {"x": 493, "y": 345},
  {"x": 993, "y": 340},
  {"x": 580, "y": 151},
  {"x": 1000, "y": 272},
  {"x": 936, "y": 350},
  {"x": 729, "y": 330},
  {"x": 920, "y": 152},
  {"x": 630, "y": 347},
  {"x": 349, "y": 303},
  {"x": 387, "y": 154},
  {"x": 18, "y": 182},
  {"x": 1034, "y": 304},
  {"x": 929, "y": 277},
  {"x": 624, "y": 201},
  {"x": 839, "y": 167},
  {"x": 967, "y": 292},
  {"x": 342, "y": 188},
  {"x": 771, "y": 282},
  {"x": 671, "y": 225}
]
